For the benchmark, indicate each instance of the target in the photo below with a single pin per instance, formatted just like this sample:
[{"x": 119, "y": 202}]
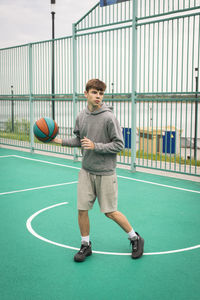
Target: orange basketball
[{"x": 45, "y": 129}]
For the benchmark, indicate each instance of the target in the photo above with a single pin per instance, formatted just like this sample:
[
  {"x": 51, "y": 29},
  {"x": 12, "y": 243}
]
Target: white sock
[
  {"x": 85, "y": 239},
  {"x": 132, "y": 234}
]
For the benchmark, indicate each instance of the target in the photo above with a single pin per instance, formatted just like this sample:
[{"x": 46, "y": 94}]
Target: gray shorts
[{"x": 104, "y": 188}]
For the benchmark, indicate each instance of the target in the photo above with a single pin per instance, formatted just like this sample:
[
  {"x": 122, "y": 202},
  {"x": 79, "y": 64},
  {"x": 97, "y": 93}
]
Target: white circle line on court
[{"x": 32, "y": 231}]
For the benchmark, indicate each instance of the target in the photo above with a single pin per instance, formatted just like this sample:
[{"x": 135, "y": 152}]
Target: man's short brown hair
[{"x": 95, "y": 84}]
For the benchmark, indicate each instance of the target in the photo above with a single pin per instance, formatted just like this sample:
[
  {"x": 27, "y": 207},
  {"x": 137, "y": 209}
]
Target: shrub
[{"x": 20, "y": 127}]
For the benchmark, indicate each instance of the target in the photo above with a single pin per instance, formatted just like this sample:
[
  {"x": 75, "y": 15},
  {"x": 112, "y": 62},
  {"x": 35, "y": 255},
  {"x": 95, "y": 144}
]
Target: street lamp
[
  {"x": 53, "y": 4},
  {"x": 112, "y": 90}
]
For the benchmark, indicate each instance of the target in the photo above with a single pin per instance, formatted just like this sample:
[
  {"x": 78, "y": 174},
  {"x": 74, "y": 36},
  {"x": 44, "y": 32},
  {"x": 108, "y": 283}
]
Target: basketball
[{"x": 45, "y": 129}]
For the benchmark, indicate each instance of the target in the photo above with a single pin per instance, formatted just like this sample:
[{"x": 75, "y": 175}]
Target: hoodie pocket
[{"x": 94, "y": 161}]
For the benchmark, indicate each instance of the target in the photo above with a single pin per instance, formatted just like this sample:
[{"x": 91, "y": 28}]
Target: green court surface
[{"x": 40, "y": 235}]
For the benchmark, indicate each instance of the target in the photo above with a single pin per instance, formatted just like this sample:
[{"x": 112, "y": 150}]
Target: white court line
[
  {"x": 160, "y": 184},
  {"x": 129, "y": 178},
  {"x": 32, "y": 231},
  {"x": 38, "y": 188},
  {"x": 3, "y": 156},
  {"x": 47, "y": 162}
]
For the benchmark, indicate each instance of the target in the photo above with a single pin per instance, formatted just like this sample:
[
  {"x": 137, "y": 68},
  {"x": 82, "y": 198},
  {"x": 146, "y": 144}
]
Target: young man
[{"x": 99, "y": 135}]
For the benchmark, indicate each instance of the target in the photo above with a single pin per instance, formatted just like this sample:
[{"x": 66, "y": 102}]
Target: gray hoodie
[{"x": 103, "y": 129}]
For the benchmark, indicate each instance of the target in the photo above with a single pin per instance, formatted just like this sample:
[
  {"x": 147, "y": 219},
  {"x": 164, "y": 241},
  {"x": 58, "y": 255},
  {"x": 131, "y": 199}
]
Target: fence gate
[{"x": 147, "y": 52}]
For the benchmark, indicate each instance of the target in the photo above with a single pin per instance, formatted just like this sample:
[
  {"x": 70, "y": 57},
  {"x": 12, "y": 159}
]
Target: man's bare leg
[
  {"x": 84, "y": 223},
  {"x": 120, "y": 219},
  {"x": 137, "y": 243}
]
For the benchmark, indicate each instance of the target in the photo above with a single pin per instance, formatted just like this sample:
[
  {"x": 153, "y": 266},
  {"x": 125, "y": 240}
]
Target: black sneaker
[
  {"x": 137, "y": 246},
  {"x": 86, "y": 250}
]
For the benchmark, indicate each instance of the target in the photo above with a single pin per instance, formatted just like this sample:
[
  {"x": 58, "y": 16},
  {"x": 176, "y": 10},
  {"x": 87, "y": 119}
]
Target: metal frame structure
[{"x": 146, "y": 51}]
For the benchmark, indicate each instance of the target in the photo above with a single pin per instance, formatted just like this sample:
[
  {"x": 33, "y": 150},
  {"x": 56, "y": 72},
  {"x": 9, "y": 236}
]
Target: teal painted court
[{"x": 40, "y": 235}]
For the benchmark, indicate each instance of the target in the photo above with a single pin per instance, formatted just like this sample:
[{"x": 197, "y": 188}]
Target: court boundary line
[
  {"x": 38, "y": 188},
  {"x": 34, "y": 233},
  {"x": 4, "y": 156},
  {"x": 160, "y": 184},
  {"x": 47, "y": 162},
  {"x": 119, "y": 176}
]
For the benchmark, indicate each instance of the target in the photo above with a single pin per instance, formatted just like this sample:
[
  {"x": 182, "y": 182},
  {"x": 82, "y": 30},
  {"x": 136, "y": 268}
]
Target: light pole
[
  {"x": 53, "y": 4},
  {"x": 112, "y": 90}
]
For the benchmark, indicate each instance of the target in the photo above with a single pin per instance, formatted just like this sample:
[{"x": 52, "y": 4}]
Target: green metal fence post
[
  {"x": 12, "y": 110},
  {"x": 74, "y": 81},
  {"x": 134, "y": 72},
  {"x": 31, "y": 98},
  {"x": 196, "y": 116}
]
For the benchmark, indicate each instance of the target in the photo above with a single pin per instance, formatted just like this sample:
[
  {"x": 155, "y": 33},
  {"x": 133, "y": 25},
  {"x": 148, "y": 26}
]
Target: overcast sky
[{"x": 25, "y": 21}]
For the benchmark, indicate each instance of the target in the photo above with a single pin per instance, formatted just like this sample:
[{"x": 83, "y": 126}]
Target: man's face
[{"x": 94, "y": 99}]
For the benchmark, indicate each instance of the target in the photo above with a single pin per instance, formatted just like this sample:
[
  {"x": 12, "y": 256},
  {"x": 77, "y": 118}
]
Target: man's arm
[
  {"x": 87, "y": 144},
  {"x": 72, "y": 142},
  {"x": 116, "y": 144}
]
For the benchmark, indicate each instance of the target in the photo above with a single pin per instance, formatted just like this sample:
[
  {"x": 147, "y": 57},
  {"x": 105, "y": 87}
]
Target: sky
[{"x": 25, "y": 21}]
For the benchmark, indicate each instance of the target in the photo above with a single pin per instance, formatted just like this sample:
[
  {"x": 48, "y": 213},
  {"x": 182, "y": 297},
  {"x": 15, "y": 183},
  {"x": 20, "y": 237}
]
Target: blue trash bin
[
  {"x": 169, "y": 145},
  {"x": 127, "y": 137}
]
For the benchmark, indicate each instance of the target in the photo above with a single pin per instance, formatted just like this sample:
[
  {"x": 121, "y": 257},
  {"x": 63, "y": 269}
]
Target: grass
[
  {"x": 19, "y": 137},
  {"x": 126, "y": 152},
  {"x": 162, "y": 157}
]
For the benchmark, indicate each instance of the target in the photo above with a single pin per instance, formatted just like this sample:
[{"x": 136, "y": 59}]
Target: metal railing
[
  {"x": 165, "y": 129},
  {"x": 146, "y": 52}
]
